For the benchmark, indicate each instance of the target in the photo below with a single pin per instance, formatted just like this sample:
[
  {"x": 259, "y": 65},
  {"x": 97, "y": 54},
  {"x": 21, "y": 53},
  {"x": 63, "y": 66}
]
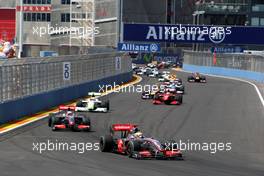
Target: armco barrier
[
  {"x": 244, "y": 74},
  {"x": 12, "y": 110}
]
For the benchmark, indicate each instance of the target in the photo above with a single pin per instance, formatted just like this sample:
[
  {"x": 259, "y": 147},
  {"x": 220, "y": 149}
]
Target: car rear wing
[
  {"x": 69, "y": 108},
  {"x": 94, "y": 94},
  {"x": 123, "y": 127}
]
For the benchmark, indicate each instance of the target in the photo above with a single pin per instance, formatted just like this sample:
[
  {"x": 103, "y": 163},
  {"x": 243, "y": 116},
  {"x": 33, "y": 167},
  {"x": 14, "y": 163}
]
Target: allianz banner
[{"x": 193, "y": 34}]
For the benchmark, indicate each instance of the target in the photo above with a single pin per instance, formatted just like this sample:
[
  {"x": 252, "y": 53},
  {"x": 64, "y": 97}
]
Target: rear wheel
[
  {"x": 178, "y": 98},
  {"x": 190, "y": 79},
  {"x": 106, "y": 143},
  {"x": 87, "y": 121},
  {"x": 203, "y": 78},
  {"x": 106, "y": 105}
]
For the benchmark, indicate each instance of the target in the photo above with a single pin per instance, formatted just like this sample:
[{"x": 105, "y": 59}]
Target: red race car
[
  {"x": 197, "y": 77},
  {"x": 127, "y": 139},
  {"x": 67, "y": 118},
  {"x": 168, "y": 98}
]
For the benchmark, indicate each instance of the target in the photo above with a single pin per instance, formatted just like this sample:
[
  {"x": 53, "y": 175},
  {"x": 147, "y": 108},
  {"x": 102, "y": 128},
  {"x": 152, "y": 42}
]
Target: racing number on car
[{"x": 66, "y": 71}]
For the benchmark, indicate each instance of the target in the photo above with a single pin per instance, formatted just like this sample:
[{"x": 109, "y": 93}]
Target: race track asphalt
[{"x": 220, "y": 111}]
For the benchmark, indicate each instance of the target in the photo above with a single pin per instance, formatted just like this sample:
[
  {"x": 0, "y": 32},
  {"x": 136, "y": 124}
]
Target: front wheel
[
  {"x": 132, "y": 146},
  {"x": 52, "y": 122},
  {"x": 87, "y": 121}
]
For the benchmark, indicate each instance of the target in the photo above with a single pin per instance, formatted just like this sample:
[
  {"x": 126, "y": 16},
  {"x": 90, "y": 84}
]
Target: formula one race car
[
  {"x": 67, "y": 118},
  {"x": 93, "y": 104},
  {"x": 196, "y": 77},
  {"x": 167, "y": 98},
  {"x": 177, "y": 80},
  {"x": 162, "y": 78},
  {"x": 179, "y": 88},
  {"x": 127, "y": 139}
]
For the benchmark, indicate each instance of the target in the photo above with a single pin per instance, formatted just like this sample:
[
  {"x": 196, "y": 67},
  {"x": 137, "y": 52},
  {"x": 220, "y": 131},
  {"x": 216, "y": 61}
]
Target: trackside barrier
[
  {"x": 30, "y": 85},
  {"x": 29, "y": 76},
  {"x": 15, "y": 109},
  {"x": 244, "y": 74},
  {"x": 238, "y": 61}
]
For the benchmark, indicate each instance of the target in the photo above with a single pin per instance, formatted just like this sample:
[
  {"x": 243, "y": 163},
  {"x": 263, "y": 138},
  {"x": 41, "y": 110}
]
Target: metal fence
[
  {"x": 29, "y": 76},
  {"x": 236, "y": 61}
]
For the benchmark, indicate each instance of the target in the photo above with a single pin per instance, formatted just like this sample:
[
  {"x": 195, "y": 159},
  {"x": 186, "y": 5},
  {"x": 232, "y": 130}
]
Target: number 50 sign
[{"x": 66, "y": 71}]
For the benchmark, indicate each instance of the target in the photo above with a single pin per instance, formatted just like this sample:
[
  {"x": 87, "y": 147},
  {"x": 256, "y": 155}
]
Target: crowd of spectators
[{"x": 7, "y": 50}]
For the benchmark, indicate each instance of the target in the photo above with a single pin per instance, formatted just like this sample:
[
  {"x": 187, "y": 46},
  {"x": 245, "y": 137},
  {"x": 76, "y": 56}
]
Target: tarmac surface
[{"x": 221, "y": 110}]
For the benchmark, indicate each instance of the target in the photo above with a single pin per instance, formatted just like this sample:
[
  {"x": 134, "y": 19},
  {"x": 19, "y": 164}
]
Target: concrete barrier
[
  {"x": 244, "y": 74},
  {"x": 12, "y": 110}
]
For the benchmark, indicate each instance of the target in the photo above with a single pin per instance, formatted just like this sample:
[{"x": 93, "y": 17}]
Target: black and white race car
[{"x": 93, "y": 104}]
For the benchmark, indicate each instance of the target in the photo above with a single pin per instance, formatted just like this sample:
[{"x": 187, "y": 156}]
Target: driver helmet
[
  {"x": 135, "y": 130},
  {"x": 138, "y": 135},
  {"x": 69, "y": 113}
]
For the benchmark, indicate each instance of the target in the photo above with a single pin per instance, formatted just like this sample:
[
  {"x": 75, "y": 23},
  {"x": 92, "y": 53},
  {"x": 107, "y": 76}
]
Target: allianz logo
[
  {"x": 215, "y": 34},
  {"x": 140, "y": 47}
]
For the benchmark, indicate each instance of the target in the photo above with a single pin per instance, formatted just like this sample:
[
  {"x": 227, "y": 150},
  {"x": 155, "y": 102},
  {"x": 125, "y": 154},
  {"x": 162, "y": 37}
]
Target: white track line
[
  {"x": 45, "y": 116},
  {"x": 237, "y": 79}
]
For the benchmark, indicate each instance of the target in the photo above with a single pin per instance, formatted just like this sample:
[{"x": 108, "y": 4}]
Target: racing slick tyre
[
  {"x": 178, "y": 98},
  {"x": 190, "y": 79},
  {"x": 53, "y": 121},
  {"x": 133, "y": 146},
  {"x": 107, "y": 104},
  {"x": 203, "y": 79},
  {"x": 49, "y": 122},
  {"x": 50, "y": 119},
  {"x": 106, "y": 143},
  {"x": 87, "y": 121}
]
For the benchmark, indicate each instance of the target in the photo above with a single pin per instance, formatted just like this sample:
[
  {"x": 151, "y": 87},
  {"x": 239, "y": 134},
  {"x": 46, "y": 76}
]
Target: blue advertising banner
[
  {"x": 193, "y": 34},
  {"x": 145, "y": 48},
  {"x": 235, "y": 49}
]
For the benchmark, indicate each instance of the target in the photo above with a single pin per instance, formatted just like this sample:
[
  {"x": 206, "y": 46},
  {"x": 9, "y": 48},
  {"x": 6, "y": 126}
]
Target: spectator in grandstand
[{"x": 6, "y": 50}]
